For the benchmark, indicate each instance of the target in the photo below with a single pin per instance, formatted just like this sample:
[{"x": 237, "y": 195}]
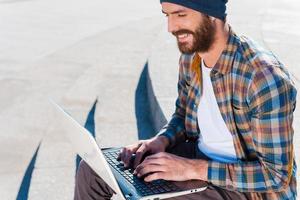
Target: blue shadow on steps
[
  {"x": 25, "y": 184},
  {"x": 142, "y": 107},
  {"x": 90, "y": 126}
]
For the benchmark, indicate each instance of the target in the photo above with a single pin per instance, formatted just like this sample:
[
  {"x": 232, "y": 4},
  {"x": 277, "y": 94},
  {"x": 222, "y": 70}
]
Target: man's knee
[
  {"x": 84, "y": 172},
  {"x": 89, "y": 185},
  {"x": 82, "y": 182}
]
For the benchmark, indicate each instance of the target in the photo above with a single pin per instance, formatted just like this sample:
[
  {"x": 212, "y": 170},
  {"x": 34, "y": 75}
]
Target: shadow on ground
[
  {"x": 146, "y": 124},
  {"x": 142, "y": 107},
  {"x": 25, "y": 184},
  {"x": 90, "y": 126}
]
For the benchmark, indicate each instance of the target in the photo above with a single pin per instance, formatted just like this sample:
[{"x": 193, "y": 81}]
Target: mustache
[{"x": 182, "y": 31}]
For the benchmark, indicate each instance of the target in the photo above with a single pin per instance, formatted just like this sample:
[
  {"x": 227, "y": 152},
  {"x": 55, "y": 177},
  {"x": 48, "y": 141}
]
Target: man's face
[{"x": 194, "y": 31}]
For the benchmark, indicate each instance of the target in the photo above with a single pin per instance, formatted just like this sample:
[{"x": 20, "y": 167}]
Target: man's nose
[{"x": 172, "y": 26}]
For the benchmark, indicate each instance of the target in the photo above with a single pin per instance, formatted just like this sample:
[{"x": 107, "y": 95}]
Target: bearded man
[{"x": 232, "y": 126}]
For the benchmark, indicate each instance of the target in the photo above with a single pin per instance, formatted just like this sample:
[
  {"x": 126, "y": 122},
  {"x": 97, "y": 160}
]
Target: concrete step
[
  {"x": 163, "y": 76},
  {"x": 120, "y": 58}
]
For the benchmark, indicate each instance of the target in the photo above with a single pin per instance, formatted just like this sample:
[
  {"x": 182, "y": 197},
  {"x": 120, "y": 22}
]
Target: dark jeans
[{"x": 89, "y": 186}]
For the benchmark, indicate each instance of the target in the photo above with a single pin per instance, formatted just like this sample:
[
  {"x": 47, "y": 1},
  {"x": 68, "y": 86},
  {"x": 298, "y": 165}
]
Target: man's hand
[
  {"x": 171, "y": 167},
  {"x": 152, "y": 146}
]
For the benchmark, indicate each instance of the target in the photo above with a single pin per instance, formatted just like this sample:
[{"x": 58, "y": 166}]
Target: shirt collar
[{"x": 225, "y": 61}]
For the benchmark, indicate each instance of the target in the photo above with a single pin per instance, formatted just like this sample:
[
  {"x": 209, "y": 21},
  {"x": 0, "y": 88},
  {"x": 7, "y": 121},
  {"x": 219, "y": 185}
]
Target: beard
[{"x": 203, "y": 37}]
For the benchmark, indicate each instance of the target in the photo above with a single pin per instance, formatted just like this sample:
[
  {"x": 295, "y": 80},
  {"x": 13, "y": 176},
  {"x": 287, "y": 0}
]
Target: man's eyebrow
[{"x": 175, "y": 12}]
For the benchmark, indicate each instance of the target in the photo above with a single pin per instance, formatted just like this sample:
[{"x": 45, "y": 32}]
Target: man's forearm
[{"x": 174, "y": 131}]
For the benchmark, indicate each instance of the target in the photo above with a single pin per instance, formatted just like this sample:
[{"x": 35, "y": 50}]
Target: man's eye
[{"x": 181, "y": 15}]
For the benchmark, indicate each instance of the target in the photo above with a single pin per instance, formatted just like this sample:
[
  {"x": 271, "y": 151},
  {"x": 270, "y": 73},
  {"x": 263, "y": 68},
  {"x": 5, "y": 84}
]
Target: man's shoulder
[
  {"x": 260, "y": 60},
  {"x": 261, "y": 68},
  {"x": 255, "y": 55}
]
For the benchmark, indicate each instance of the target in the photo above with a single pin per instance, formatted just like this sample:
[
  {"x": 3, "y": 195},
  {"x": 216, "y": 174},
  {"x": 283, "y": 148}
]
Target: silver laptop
[{"x": 120, "y": 179}]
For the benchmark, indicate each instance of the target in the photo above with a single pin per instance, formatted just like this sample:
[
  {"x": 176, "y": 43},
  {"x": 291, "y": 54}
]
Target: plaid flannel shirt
[{"x": 256, "y": 98}]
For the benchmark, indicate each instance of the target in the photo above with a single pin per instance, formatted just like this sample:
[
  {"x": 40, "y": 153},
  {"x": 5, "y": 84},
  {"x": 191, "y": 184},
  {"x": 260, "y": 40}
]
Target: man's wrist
[
  {"x": 165, "y": 141},
  {"x": 200, "y": 169}
]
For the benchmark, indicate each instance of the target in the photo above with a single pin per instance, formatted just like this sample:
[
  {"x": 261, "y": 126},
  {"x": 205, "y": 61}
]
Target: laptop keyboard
[{"x": 145, "y": 188}]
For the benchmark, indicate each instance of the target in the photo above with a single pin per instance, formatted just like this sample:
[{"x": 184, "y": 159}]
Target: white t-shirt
[{"x": 215, "y": 140}]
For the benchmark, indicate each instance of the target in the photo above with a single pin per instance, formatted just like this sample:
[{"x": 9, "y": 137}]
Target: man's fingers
[
  {"x": 139, "y": 155},
  {"x": 150, "y": 169},
  {"x": 149, "y": 162},
  {"x": 120, "y": 155},
  {"x": 127, "y": 157},
  {"x": 161, "y": 155},
  {"x": 124, "y": 154},
  {"x": 132, "y": 148},
  {"x": 155, "y": 176},
  {"x": 152, "y": 159}
]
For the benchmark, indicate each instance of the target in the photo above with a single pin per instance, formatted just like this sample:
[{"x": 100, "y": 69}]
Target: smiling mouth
[{"x": 182, "y": 37}]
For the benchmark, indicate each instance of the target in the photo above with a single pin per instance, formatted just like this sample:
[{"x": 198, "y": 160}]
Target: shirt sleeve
[
  {"x": 272, "y": 100},
  {"x": 175, "y": 129}
]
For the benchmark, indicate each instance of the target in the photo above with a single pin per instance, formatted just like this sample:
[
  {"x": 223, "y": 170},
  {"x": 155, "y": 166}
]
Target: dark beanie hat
[{"x": 215, "y": 8}]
